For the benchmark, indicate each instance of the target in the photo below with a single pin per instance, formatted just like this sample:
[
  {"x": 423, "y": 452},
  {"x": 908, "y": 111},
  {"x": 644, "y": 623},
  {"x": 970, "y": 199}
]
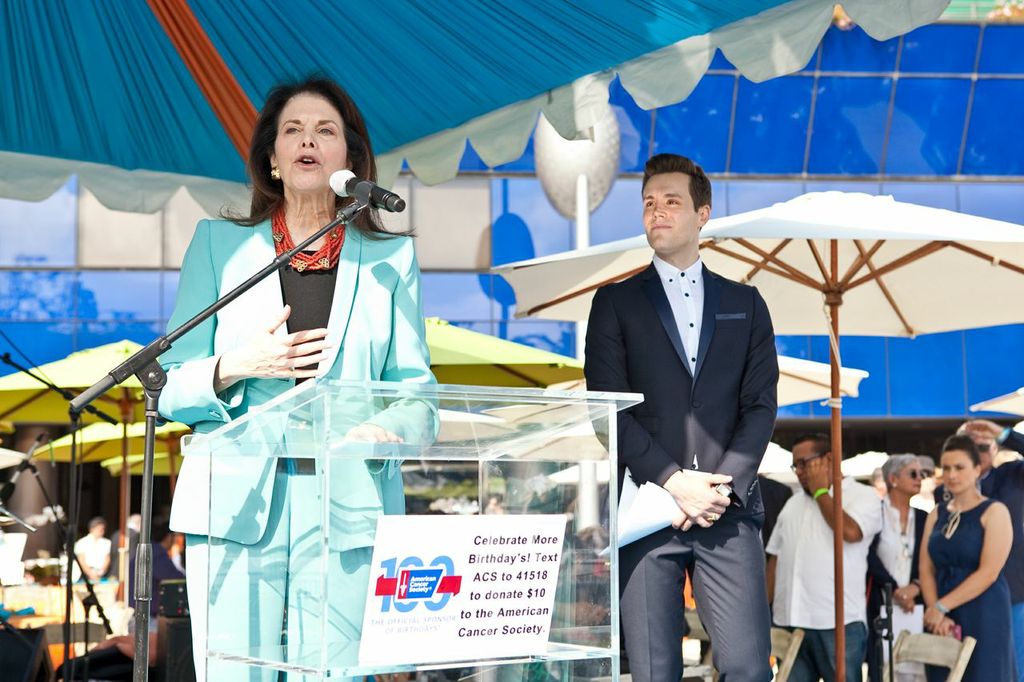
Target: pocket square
[{"x": 730, "y": 316}]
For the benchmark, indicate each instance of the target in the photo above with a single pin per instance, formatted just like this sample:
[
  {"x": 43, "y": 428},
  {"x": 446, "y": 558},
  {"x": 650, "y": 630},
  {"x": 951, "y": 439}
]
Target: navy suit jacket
[
  {"x": 719, "y": 419},
  {"x": 1006, "y": 484}
]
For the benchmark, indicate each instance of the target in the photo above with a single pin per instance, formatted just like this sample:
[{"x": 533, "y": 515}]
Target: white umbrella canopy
[
  {"x": 1011, "y": 403},
  {"x": 923, "y": 270},
  {"x": 802, "y": 381}
]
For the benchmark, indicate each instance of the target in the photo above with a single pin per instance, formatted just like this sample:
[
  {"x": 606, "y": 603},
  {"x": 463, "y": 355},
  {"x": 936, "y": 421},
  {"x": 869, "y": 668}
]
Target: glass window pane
[
  {"x": 557, "y": 337},
  {"x": 927, "y": 375},
  {"x": 940, "y": 48},
  {"x": 40, "y": 233},
  {"x": 42, "y": 342},
  {"x": 927, "y": 126},
  {"x": 770, "y": 131},
  {"x": 858, "y": 352},
  {"x": 119, "y": 295},
  {"x": 849, "y": 125},
  {"x": 749, "y": 195},
  {"x": 855, "y": 50},
  {"x": 698, "y": 127},
  {"x": 1000, "y": 50},
  {"x": 36, "y": 295},
  {"x": 98, "y": 333},
  {"x": 456, "y": 296},
  {"x": 995, "y": 365},
  {"x": 547, "y": 231},
  {"x": 999, "y": 201},
  {"x": 936, "y": 195},
  {"x": 169, "y": 293},
  {"x": 621, "y": 213},
  {"x": 994, "y": 143}
]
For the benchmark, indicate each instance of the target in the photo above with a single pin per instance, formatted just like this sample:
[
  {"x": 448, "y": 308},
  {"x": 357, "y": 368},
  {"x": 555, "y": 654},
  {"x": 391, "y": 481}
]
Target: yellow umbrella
[
  {"x": 101, "y": 441},
  {"x": 164, "y": 464},
  {"x": 461, "y": 356},
  {"x": 23, "y": 399}
]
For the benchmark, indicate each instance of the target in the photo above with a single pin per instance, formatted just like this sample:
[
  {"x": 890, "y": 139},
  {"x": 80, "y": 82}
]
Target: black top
[{"x": 310, "y": 294}]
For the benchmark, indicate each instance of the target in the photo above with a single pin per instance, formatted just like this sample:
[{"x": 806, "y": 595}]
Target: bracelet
[
  {"x": 1003, "y": 435},
  {"x": 942, "y": 609},
  {"x": 819, "y": 492}
]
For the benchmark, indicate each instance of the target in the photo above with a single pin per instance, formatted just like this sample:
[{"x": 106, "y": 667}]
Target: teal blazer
[{"x": 377, "y": 332}]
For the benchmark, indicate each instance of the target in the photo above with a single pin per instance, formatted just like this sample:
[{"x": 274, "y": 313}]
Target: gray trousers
[{"x": 726, "y": 562}]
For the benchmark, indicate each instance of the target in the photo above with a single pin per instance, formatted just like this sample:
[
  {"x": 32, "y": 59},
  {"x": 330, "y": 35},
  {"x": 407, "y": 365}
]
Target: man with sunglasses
[
  {"x": 1006, "y": 484},
  {"x": 802, "y": 583}
]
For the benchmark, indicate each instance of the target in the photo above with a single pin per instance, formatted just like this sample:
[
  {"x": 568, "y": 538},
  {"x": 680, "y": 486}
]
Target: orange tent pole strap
[{"x": 225, "y": 96}]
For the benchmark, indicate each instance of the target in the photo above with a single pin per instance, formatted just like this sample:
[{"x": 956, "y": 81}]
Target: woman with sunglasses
[
  {"x": 961, "y": 567},
  {"x": 893, "y": 556}
]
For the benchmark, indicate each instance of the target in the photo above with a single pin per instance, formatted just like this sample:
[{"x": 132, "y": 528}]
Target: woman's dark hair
[
  {"x": 267, "y": 193},
  {"x": 964, "y": 443}
]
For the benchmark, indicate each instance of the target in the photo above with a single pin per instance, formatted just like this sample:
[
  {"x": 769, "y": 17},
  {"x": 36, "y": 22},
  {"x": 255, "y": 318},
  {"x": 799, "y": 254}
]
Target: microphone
[
  {"x": 7, "y": 487},
  {"x": 345, "y": 184}
]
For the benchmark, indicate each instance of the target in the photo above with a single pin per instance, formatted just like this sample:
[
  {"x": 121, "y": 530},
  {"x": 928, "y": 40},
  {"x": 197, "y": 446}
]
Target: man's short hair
[
  {"x": 700, "y": 186},
  {"x": 96, "y": 521},
  {"x": 927, "y": 464},
  {"x": 822, "y": 443}
]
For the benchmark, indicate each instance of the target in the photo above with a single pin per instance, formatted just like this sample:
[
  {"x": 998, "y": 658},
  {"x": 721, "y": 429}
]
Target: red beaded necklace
[{"x": 325, "y": 258}]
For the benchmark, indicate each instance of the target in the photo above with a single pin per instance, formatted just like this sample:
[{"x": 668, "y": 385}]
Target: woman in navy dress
[{"x": 961, "y": 568}]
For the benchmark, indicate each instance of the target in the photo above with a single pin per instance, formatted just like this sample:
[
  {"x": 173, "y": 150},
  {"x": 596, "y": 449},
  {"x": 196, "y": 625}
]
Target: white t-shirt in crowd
[
  {"x": 94, "y": 551},
  {"x": 804, "y": 571}
]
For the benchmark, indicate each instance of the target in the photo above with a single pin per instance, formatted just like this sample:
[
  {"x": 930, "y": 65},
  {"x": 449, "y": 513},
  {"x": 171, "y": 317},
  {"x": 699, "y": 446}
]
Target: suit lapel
[
  {"x": 656, "y": 293},
  {"x": 265, "y": 294},
  {"x": 344, "y": 296},
  {"x": 712, "y": 292}
]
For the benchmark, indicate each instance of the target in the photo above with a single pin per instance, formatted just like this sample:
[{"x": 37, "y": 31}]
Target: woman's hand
[
  {"x": 933, "y": 619},
  {"x": 945, "y": 627},
  {"x": 267, "y": 355},
  {"x": 905, "y": 596},
  {"x": 371, "y": 433}
]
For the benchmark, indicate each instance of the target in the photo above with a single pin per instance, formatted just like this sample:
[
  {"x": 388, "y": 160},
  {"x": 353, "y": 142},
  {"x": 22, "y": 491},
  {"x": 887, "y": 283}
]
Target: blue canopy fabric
[{"x": 99, "y": 85}]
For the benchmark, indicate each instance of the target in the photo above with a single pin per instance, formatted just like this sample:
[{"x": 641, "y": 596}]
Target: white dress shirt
[
  {"x": 804, "y": 572},
  {"x": 896, "y": 548},
  {"x": 685, "y": 292}
]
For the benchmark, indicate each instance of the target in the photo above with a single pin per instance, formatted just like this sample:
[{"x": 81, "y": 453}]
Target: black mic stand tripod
[{"x": 143, "y": 364}]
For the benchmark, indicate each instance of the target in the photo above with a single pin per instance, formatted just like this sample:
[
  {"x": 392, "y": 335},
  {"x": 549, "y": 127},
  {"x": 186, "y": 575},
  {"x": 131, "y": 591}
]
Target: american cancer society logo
[{"x": 404, "y": 584}]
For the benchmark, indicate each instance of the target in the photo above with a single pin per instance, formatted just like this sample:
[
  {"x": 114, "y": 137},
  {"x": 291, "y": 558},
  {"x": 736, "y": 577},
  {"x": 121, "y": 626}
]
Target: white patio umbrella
[
  {"x": 896, "y": 269},
  {"x": 1011, "y": 403}
]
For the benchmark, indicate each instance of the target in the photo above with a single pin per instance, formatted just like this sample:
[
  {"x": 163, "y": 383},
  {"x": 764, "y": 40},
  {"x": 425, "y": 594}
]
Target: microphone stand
[
  {"x": 143, "y": 364},
  {"x": 66, "y": 538},
  {"x": 883, "y": 632}
]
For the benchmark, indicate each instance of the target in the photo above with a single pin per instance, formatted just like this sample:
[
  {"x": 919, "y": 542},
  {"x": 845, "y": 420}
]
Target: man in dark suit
[{"x": 702, "y": 351}]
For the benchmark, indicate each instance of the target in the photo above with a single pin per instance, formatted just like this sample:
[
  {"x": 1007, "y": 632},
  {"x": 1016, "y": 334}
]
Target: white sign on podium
[{"x": 449, "y": 588}]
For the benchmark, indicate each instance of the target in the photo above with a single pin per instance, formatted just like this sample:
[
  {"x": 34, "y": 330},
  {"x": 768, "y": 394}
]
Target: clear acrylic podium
[{"x": 295, "y": 489}]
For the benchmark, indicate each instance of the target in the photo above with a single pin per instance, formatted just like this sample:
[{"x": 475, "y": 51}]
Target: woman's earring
[
  {"x": 275, "y": 172},
  {"x": 946, "y": 495}
]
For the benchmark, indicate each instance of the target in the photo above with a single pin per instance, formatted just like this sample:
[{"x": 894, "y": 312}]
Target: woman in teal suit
[{"x": 350, "y": 309}]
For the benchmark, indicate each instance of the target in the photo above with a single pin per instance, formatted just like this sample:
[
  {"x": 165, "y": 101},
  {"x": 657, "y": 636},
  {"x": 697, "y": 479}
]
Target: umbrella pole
[{"x": 834, "y": 299}]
